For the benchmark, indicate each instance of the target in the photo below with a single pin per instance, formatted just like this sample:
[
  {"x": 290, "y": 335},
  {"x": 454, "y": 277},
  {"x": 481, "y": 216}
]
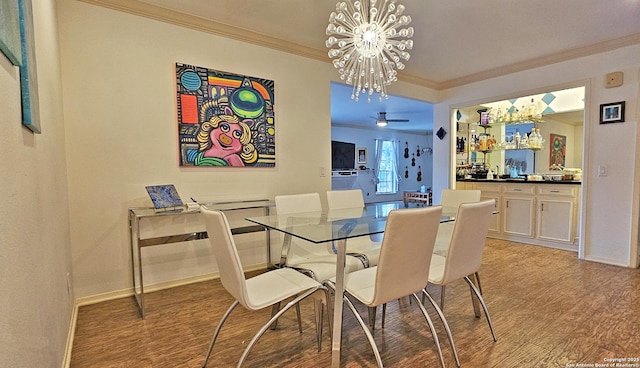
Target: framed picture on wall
[
  {"x": 612, "y": 112},
  {"x": 361, "y": 155}
]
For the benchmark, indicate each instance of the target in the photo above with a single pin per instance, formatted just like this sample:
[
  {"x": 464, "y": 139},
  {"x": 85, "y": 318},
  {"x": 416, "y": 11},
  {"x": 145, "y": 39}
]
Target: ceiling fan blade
[{"x": 382, "y": 120}]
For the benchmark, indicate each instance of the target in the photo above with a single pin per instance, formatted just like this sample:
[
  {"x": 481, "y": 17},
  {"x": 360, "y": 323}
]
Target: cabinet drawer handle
[
  {"x": 517, "y": 190},
  {"x": 555, "y": 191}
]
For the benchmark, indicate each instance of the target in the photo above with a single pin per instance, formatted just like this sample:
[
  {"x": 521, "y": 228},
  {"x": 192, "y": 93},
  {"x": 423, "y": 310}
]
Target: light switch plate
[
  {"x": 613, "y": 80},
  {"x": 602, "y": 170}
]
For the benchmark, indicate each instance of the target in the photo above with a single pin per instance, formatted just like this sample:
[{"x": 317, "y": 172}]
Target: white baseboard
[
  {"x": 66, "y": 361},
  {"x": 117, "y": 294},
  {"x": 608, "y": 261},
  {"x": 93, "y": 299}
]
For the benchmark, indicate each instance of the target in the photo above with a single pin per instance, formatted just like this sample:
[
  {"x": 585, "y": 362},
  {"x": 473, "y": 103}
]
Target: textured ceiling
[{"x": 455, "y": 42}]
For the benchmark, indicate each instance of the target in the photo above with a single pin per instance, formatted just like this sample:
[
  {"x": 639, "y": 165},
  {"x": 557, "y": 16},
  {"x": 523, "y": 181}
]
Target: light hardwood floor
[{"x": 548, "y": 308}]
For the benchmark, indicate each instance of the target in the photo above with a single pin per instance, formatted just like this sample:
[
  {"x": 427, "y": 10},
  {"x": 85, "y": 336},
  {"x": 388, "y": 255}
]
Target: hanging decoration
[
  {"x": 413, "y": 159},
  {"x": 367, "y": 41},
  {"x": 406, "y": 149},
  {"x": 419, "y": 178}
]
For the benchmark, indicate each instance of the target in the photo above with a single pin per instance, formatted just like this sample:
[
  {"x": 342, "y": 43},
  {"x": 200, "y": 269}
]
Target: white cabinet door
[
  {"x": 518, "y": 216},
  {"x": 555, "y": 219}
]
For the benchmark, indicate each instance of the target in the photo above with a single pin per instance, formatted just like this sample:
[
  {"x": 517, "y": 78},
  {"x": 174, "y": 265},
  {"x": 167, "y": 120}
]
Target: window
[{"x": 387, "y": 165}]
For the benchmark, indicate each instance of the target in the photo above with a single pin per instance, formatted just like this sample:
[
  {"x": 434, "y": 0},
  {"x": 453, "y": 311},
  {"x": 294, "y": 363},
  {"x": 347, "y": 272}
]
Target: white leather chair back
[
  {"x": 224, "y": 249},
  {"x": 405, "y": 255},
  {"x": 340, "y": 199},
  {"x": 467, "y": 241},
  {"x": 298, "y": 203},
  {"x": 301, "y": 250},
  {"x": 452, "y": 198}
]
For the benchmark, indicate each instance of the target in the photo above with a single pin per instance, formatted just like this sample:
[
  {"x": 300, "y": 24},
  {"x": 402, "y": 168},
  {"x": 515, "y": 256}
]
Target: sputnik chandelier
[{"x": 367, "y": 45}]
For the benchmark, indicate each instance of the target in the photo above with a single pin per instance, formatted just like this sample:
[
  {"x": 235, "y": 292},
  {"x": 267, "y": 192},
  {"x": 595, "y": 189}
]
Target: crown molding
[
  {"x": 566, "y": 55},
  {"x": 154, "y": 12},
  {"x": 165, "y": 15}
]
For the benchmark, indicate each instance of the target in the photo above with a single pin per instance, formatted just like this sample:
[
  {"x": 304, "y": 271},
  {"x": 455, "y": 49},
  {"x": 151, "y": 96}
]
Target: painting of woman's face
[{"x": 227, "y": 137}]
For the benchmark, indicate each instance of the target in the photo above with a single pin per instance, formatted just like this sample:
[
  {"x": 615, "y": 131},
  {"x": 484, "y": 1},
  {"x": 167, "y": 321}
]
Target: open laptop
[{"x": 164, "y": 197}]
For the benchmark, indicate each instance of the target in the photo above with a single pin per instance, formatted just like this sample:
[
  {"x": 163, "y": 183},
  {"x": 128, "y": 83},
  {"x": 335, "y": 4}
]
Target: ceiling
[{"x": 455, "y": 42}]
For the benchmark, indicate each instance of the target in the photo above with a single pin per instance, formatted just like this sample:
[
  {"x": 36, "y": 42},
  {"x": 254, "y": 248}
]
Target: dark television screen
[{"x": 343, "y": 155}]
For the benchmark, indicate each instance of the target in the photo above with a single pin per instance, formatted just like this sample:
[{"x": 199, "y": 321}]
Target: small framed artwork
[
  {"x": 612, "y": 112},
  {"x": 362, "y": 155}
]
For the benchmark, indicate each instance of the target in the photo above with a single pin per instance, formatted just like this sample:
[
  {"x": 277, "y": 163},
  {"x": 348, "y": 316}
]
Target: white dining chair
[
  {"x": 451, "y": 200},
  {"x": 257, "y": 292},
  {"x": 353, "y": 200},
  {"x": 464, "y": 254},
  {"x": 402, "y": 270},
  {"x": 316, "y": 260}
]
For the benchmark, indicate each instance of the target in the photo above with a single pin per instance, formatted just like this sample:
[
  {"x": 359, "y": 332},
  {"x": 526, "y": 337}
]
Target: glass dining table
[{"x": 334, "y": 227}]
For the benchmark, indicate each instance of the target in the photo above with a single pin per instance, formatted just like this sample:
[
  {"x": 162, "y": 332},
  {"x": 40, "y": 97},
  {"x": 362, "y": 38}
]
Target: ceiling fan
[{"x": 382, "y": 120}]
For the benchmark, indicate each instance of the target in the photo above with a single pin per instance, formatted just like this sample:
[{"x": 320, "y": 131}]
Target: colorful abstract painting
[
  {"x": 558, "y": 150},
  {"x": 224, "y": 119}
]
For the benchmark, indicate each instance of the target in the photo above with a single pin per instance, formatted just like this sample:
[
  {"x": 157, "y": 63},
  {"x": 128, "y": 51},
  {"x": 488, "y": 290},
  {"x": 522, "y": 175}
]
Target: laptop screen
[{"x": 164, "y": 196}]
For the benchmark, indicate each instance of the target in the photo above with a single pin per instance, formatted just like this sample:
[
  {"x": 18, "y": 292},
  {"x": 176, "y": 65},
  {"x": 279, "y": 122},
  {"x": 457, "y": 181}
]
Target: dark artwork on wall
[
  {"x": 612, "y": 112},
  {"x": 558, "y": 150},
  {"x": 224, "y": 119},
  {"x": 343, "y": 155}
]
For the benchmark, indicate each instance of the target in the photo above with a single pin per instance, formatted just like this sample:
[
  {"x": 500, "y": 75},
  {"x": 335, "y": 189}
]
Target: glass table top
[{"x": 326, "y": 226}]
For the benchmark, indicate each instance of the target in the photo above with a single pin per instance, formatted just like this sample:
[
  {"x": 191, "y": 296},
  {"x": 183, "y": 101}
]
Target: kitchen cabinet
[
  {"x": 519, "y": 210},
  {"x": 533, "y": 213},
  {"x": 556, "y": 207},
  {"x": 518, "y": 216}
]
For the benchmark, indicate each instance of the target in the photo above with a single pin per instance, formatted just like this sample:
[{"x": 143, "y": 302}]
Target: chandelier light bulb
[{"x": 370, "y": 31}]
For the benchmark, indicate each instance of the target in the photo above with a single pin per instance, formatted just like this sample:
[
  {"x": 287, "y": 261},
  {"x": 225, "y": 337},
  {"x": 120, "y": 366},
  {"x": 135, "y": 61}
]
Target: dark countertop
[{"x": 522, "y": 181}]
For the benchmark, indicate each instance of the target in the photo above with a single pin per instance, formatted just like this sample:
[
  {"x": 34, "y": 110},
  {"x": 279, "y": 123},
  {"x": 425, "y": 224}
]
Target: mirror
[{"x": 530, "y": 137}]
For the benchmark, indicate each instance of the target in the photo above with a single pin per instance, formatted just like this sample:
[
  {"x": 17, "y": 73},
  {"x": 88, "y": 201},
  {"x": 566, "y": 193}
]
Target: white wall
[
  {"x": 610, "y": 204},
  {"x": 120, "y": 119},
  {"x": 366, "y": 138},
  {"x": 34, "y": 219}
]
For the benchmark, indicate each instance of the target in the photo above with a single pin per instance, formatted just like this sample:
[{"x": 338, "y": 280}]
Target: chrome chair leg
[
  {"x": 362, "y": 258},
  {"x": 442, "y": 289},
  {"x": 319, "y": 311},
  {"x": 478, "y": 282},
  {"x": 366, "y": 330},
  {"x": 431, "y": 327},
  {"x": 372, "y": 317},
  {"x": 266, "y": 326},
  {"x": 331, "y": 294},
  {"x": 276, "y": 307},
  {"x": 217, "y": 331},
  {"x": 384, "y": 313},
  {"x": 299, "y": 319},
  {"x": 484, "y": 306},
  {"x": 474, "y": 301},
  {"x": 444, "y": 322}
]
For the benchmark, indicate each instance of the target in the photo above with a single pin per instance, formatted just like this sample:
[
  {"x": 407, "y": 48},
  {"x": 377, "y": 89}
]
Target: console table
[
  {"x": 140, "y": 241},
  {"x": 416, "y": 197}
]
